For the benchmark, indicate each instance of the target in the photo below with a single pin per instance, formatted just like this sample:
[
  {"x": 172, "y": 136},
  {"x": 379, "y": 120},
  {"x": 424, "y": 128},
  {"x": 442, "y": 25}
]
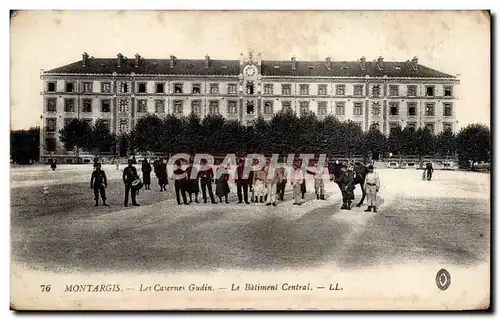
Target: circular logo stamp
[{"x": 443, "y": 279}]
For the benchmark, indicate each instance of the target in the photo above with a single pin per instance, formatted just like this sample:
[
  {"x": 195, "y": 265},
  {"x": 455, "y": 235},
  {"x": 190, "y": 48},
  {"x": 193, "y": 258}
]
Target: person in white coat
[
  {"x": 372, "y": 186},
  {"x": 296, "y": 180}
]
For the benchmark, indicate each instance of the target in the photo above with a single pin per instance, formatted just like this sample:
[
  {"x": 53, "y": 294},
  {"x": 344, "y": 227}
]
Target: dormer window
[
  {"x": 276, "y": 67},
  {"x": 310, "y": 67}
]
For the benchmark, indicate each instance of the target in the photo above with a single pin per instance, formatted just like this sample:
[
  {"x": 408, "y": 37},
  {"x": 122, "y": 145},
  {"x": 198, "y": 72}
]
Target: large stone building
[{"x": 121, "y": 90}]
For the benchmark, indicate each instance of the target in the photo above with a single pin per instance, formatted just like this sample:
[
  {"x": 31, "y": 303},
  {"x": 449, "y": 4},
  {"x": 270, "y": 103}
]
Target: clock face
[{"x": 250, "y": 71}]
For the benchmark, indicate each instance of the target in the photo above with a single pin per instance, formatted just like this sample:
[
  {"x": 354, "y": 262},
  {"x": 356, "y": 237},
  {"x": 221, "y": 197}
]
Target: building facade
[{"x": 121, "y": 90}]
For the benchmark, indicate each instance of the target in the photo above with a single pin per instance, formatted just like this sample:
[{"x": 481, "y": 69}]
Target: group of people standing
[{"x": 258, "y": 184}]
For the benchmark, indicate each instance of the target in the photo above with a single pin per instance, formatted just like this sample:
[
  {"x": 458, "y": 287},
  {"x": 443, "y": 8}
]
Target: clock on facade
[{"x": 250, "y": 71}]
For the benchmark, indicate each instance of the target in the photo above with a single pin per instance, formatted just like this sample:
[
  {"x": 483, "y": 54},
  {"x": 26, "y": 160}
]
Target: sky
[{"x": 454, "y": 42}]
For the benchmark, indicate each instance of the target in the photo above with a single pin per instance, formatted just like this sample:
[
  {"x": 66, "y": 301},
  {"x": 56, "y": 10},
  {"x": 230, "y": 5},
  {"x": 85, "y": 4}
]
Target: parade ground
[{"x": 446, "y": 220}]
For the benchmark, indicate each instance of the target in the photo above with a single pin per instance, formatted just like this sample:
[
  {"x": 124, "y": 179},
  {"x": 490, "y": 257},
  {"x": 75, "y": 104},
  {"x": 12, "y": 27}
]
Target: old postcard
[{"x": 271, "y": 160}]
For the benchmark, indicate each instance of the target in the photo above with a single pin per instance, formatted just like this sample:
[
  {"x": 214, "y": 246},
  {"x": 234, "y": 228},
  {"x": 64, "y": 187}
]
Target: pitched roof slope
[{"x": 232, "y": 67}]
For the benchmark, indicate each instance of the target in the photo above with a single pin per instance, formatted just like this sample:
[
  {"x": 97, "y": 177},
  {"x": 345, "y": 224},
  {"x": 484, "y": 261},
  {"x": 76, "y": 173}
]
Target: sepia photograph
[{"x": 250, "y": 160}]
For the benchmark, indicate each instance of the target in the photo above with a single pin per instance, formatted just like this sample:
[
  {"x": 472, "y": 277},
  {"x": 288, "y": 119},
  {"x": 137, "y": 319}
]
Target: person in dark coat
[
  {"x": 282, "y": 180},
  {"x": 98, "y": 182},
  {"x": 193, "y": 183},
  {"x": 161, "y": 173},
  {"x": 303, "y": 188},
  {"x": 53, "y": 165},
  {"x": 222, "y": 185},
  {"x": 206, "y": 176},
  {"x": 346, "y": 180},
  {"x": 146, "y": 174},
  {"x": 242, "y": 182},
  {"x": 180, "y": 183},
  {"x": 129, "y": 175},
  {"x": 429, "y": 171}
]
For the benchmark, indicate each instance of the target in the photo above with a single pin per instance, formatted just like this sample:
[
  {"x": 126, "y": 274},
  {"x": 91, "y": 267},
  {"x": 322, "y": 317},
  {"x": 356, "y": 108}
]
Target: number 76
[{"x": 45, "y": 287}]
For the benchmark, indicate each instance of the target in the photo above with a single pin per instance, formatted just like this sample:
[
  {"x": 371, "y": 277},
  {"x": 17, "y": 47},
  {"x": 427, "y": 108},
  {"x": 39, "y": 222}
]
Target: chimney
[
  {"x": 172, "y": 61},
  {"x": 329, "y": 63},
  {"x": 241, "y": 59},
  {"x": 259, "y": 59},
  {"x": 414, "y": 63},
  {"x": 380, "y": 63},
  {"x": 362, "y": 63},
  {"x": 120, "y": 60},
  {"x": 207, "y": 60},
  {"x": 85, "y": 59},
  {"x": 294, "y": 66},
  {"x": 137, "y": 60}
]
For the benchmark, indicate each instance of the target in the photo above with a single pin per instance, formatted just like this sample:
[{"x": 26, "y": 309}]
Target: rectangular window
[
  {"x": 376, "y": 91},
  {"x": 50, "y": 144},
  {"x": 322, "y": 108},
  {"x": 429, "y": 109},
  {"x": 393, "y": 90},
  {"x": 250, "y": 108},
  {"x": 430, "y": 126},
  {"x": 51, "y": 87},
  {"x": 105, "y": 123},
  {"x": 232, "y": 88},
  {"x": 213, "y": 107},
  {"x": 286, "y": 89},
  {"x": 304, "y": 89},
  {"x": 142, "y": 106},
  {"x": 250, "y": 87},
  {"x": 340, "y": 108},
  {"x": 196, "y": 89},
  {"x": 358, "y": 89},
  {"x": 412, "y": 109},
  {"x": 268, "y": 107},
  {"x": 268, "y": 89},
  {"x": 178, "y": 107},
  {"x": 231, "y": 107},
  {"x": 196, "y": 106},
  {"x": 67, "y": 121},
  {"x": 447, "y": 110},
  {"x": 105, "y": 105},
  {"x": 178, "y": 88},
  {"x": 87, "y": 105},
  {"x": 393, "y": 126},
  {"x": 447, "y": 126},
  {"x": 429, "y": 91},
  {"x": 69, "y": 105},
  {"x": 50, "y": 124},
  {"x": 52, "y": 105},
  {"x": 123, "y": 126},
  {"x": 358, "y": 108},
  {"x": 160, "y": 88},
  {"x": 106, "y": 87},
  {"x": 376, "y": 109},
  {"x": 123, "y": 87},
  {"x": 141, "y": 87},
  {"x": 340, "y": 89},
  {"x": 412, "y": 126},
  {"x": 87, "y": 87},
  {"x": 123, "y": 106},
  {"x": 286, "y": 106},
  {"x": 322, "y": 89},
  {"x": 214, "y": 88},
  {"x": 160, "y": 106},
  {"x": 375, "y": 125},
  {"x": 70, "y": 87},
  {"x": 304, "y": 107},
  {"x": 412, "y": 90},
  {"x": 448, "y": 91},
  {"x": 393, "y": 108}
]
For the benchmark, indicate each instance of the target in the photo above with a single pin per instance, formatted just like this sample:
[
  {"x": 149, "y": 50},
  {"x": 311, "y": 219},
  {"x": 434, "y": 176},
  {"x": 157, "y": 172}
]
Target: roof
[{"x": 232, "y": 67}]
